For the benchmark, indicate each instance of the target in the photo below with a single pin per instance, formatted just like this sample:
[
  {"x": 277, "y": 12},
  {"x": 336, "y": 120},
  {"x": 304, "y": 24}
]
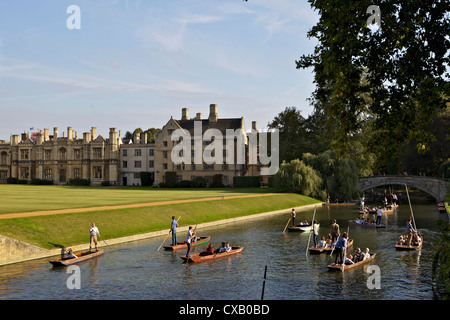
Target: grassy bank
[
  {"x": 25, "y": 198},
  {"x": 70, "y": 229}
]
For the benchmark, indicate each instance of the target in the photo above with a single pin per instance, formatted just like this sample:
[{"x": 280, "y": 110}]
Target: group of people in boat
[
  {"x": 411, "y": 238},
  {"x": 224, "y": 247},
  {"x": 364, "y": 221}
]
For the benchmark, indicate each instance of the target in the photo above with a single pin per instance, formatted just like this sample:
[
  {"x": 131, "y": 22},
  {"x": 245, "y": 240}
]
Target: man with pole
[
  {"x": 93, "y": 231},
  {"x": 173, "y": 229}
]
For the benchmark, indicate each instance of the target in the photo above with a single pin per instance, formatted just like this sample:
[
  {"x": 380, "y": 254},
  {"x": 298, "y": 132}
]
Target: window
[
  {"x": 3, "y": 174},
  {"x": 165, "y": 154},
  {"x": 62, "y": 154},
  {"x": 77, "y": 154},
  {"x": 151, "y": 152},
  {"x": 97, "y": 153},
  {"x": 165, "y": 166},
  {"x": 77, "y": 173},
  {"x": 24, "y": 173},
  {"x": 3, "y": 158},
  {"x": 164, "y": 143},
  {"x": 151, "y": 164},
  {"x": 137, "y": 152},
  {"x": 124, "y": 164},
  {"x": 47, "y": 154},
  {"x": 137, "y": 175},
  {"x": 124, "y": 152},
  {"x": 24, "y": 154},
  {"x": 48, "y": 174},
  {"x": 98, "y": 172},
  {"x": 137, "y": 164}
]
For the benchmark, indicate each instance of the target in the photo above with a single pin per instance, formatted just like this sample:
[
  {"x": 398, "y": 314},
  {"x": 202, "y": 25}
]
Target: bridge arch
[{"x": 435, "y": 187}]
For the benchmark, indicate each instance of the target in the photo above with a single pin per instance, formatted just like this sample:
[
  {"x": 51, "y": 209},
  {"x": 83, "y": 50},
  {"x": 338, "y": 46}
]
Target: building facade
[{"x": 60, "y": 158}]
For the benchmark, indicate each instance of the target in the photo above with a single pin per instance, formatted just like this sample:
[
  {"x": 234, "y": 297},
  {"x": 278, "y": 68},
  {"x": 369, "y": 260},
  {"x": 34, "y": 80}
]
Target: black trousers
[
  {"x": 188, "y": 249},
  {"x": 339, "y": 253}
]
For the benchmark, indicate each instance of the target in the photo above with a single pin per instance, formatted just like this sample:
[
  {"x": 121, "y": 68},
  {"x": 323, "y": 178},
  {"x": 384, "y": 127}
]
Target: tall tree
[{"x": 404, "y": 62}]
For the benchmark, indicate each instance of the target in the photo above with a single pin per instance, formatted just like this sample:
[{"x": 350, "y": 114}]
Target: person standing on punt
[
  {"x": 189, "y": 237},
  {"x": 315, "y": 233},
  {"x": 173, "y": 229},
  {"x": 93, "y": 231},
  {"x": 293, "y": 214},
  {"x": 379, "y": 214},
  {"x": 339, "y": 248},
  {"x": 334, "y": 231},
  {"x": 409, "y": 231}
]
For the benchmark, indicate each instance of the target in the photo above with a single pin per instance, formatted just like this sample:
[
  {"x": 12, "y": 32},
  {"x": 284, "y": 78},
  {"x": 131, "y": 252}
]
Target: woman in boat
[
  {"x": 70, "y": 254},
  {"x": 227, "y": 247},
  {"x": 322, "y": 243}
]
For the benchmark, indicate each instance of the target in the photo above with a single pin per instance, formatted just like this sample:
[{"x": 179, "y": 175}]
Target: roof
[{"x": 221, "y": 124}]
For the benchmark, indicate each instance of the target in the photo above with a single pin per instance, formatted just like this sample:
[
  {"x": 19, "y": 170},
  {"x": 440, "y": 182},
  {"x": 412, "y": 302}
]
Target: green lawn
[
  {"x": 55, "y": 231},
  {"x": 25, "y": 198}
]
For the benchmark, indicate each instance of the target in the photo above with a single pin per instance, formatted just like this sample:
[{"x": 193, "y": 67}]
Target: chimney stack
[
  {"x": 254, "y": 126},
  {"x": 69, "y": 133},
  {"x": 55, "y": 133},
  {"x": 93, "y": 133},
  {"x": 213, "y": 113},
  {"x": 46, "y": 135},
  {"x": 198, "y": 116},
  {"x": 185, "y": 114}
]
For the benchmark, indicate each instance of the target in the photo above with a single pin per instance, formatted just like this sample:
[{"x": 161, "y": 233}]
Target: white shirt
[
  {"x": 93, "y": 231},
  {"x": 188, "y": 236}
]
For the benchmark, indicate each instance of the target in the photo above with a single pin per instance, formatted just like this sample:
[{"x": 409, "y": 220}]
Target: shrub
[
  {"x": 79, "y": 182},
  {"x": 11, "y": 180},
  {"x": 246, "y": 182},
  {"x": 198, "y": 182}
]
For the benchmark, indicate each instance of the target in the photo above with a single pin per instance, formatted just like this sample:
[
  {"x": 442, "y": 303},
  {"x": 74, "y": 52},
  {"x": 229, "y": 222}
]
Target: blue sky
[{"x": 137, "y": 63}]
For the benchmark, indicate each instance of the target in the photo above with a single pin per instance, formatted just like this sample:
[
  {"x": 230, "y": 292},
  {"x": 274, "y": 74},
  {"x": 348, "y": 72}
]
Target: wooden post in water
[{"x": 264, "y": 283}]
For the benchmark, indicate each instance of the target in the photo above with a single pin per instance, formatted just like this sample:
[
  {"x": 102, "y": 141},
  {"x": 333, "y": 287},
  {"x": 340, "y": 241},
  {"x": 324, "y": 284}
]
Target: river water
[{"x": 136, "y": 271}]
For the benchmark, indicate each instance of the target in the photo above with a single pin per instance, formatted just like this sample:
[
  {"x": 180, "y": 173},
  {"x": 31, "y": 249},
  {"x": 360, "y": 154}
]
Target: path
[{"x": 124, "y": 206}]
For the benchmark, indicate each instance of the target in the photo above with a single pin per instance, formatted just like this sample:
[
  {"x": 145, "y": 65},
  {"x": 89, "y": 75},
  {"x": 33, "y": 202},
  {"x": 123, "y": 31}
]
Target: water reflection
[{"x": 137, "y": 271}]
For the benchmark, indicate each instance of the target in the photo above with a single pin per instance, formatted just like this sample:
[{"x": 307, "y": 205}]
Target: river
[{"x": 136, "y": 271}]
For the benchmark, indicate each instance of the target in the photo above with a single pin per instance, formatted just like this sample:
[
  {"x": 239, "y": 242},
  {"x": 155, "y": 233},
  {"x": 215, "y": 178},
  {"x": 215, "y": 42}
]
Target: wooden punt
[
  {"x": 366, "y": 225},
  {"x": 204, "y": 256},
  {"x": 406, "y": 247},
  {"x": 338, "y": 267},
  {"x": 313, "y": 249},
  {"x": 82, "y": 256},
  {"x": 339, "y": 204},
  {"x": 183, "y": 245},
  {"x": 301, "y": 228}
]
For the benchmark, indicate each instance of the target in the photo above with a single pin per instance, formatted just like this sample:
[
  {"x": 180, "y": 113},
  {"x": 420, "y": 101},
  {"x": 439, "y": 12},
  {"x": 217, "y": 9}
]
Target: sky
[{"x": 136, "y": 63}]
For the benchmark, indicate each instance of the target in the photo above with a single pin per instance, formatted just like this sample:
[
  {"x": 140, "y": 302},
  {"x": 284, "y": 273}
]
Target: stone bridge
[{"x": 437, "y": 188}]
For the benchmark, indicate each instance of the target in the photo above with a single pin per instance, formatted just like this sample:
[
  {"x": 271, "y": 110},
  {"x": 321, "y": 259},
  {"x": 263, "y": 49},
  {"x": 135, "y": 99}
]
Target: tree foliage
[{"x": 397, "y": 73}]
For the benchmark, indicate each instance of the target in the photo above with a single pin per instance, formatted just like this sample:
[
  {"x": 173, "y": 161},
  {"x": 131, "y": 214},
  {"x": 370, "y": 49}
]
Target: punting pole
[
  {"x": 312, "y": 230},
  {"x": 105, "y": 242},
  {"x": 287, "y": 224},
  {"x": 410, "y": 207}
]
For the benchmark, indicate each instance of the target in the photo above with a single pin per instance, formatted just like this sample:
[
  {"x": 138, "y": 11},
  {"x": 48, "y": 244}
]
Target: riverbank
[{"x": 48, "y": 235}]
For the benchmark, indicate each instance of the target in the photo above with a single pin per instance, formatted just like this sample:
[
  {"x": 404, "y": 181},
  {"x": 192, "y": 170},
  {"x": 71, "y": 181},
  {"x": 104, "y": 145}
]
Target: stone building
[
  {"x": 136, "y": 157},
  {"x": 189, "y": 170},
  {"x": 5, "y": 161},
  {"x": 60, "y": 158}
]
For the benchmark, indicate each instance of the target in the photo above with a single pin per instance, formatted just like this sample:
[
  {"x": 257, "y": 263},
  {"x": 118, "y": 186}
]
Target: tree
[
  {"x": 295, "y": 175},
  {"x": 402, "y": 67},
  {"x": 339, "y": 175}
]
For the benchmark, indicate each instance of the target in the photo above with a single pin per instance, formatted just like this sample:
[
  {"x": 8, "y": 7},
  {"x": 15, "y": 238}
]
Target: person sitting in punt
[
  {"x": 329, "y": 241},
  {"x": 357, "y": 256},
  {"x": 401, "y": 241},
  {"x": 322, "y": 243},
  {"x": 227, "y": 247},
  {"x": 222, "y": 248},
  {"x": 209, "y": 250},
  {"x": 70, "y": 254},
  {"x": 416, "y": 241},
  {"x": 303, "y": 223},
  {"x": 349, "y": 260},
  {"x": 366, "y": 254}
]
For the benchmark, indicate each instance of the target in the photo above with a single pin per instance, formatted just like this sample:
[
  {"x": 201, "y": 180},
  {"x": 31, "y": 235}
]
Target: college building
[{"x": 62, "y": 157}]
